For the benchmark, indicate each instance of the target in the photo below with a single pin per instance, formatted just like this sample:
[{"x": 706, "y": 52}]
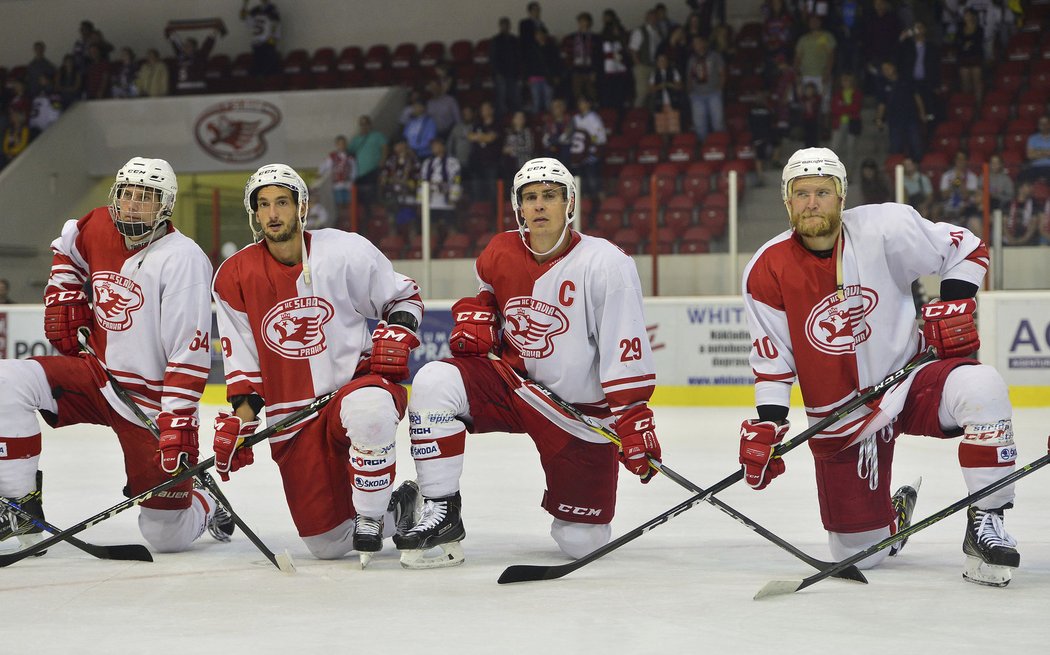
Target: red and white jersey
[
  {"x": 152, "y": 310},
  {"x": 574, "y": 323},
  {"x": 833, "y": 347},
  {"x": 289, "y": 342}
]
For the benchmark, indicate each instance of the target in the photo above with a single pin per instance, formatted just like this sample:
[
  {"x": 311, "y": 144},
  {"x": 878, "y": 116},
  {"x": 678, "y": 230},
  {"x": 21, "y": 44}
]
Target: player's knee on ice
[
  {"x": 172, "y": 530},
  {"x": 332, "y": 544},
  {"x": 578, "y": 539},
  {"x": 845, "y": 545},
  {"x": 370, "y": 419}
]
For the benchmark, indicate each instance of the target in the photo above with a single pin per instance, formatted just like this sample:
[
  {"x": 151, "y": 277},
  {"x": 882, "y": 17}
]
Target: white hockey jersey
[
  {"x": 289, "y": 342},
  {"x": 833, "y": 347},
  {"x": 574, "y": 323},
  {"x": 152, "y": 311}
]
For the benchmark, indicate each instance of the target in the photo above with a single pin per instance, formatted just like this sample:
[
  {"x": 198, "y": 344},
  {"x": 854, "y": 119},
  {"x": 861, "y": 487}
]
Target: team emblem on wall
[
  {"x": 235, "y": 131},
  {"x": 295, "y": 327},
  {"x": 115, "y": 298},
  {"x": 531, "y": 326},
  {"x": 836, "y": 327}
]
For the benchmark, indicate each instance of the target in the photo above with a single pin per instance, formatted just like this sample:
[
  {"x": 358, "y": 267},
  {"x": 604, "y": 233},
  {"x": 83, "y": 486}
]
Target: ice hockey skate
[
  {"x": 220, "y": 525},
  {"x": 368, "y": 537},
  {"x": 14, "y": 525},
  {"x": 990, "y": 551},
  {"x": 904, "y": 505},
  {"x": 440, "y": 526},
  {"x": 405, "y": 504},
  {"x": 368, "y": 532}
]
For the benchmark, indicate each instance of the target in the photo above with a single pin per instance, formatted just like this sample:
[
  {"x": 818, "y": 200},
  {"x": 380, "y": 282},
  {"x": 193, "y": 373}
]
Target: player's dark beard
[{"x": 284, "y": 235}]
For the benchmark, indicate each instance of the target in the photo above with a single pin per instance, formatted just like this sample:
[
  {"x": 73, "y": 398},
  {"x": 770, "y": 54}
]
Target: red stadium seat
[
  {"x": 628, "y": 240},
  {"x": 432, "y": 54},
  {"x": 609, "y": 217},
  {"x": 461, "y": 52},
  {"x": 631, "y": 182},
  {"x": 323, "y": 60},
  {"x": 350, "y": 58},
  {"x": 296, "y": 61},
  {"x": 678, "y": 214},
  {"x": 695, "y": 240},
  {"x": 404, "y": 55},
  {"x": 377, "y": 58},
  {"x": 682, "y": 147},
  {"x": 664, "y": 179}
]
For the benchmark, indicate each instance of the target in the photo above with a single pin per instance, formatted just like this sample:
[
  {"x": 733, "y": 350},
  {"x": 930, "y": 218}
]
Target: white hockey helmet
[
  {"x": 543, "y": 169},
  {"x": 808, "y": 162},
  {"x": 144, "y": 173},
  {"x": 276, "y": 175}
]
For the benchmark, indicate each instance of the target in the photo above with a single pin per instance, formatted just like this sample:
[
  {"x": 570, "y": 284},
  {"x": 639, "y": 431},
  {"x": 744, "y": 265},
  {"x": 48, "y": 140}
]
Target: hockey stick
[
  {"x": 283, "y": 561},
  {"x": 136, "y": 552},
  {"x": 781, "y": 587},
  {"x": 6, "y": 559},
  {"x": 525, "y": 572},
  {"x": 849, "y": 573}
]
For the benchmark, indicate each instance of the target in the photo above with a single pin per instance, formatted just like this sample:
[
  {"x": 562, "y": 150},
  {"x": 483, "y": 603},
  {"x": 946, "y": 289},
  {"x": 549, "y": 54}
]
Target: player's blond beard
[{"x": 828, "y": 225}]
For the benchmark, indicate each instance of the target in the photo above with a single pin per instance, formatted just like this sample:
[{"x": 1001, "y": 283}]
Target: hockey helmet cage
[{"x": 147, "y": 173}]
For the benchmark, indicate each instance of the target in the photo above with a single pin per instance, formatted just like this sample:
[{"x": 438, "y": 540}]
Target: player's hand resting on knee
[
  {"x": 230, "y": 431},
  {"x": 637, "y": 431},
  {"x": 178, "y": 441},
  {"x": 474, "y": 333},
  {"x": 757, "y": 440},
  {"x": 390, "y": 347},
  {"x": 949, "y": 327}
]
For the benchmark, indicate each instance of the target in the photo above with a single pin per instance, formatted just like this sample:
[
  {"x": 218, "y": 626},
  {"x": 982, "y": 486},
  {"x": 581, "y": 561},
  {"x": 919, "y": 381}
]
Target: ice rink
[{"x": 684, "y": 587}]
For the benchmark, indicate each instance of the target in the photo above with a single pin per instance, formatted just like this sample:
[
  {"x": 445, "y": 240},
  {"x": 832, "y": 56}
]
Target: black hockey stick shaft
[
  {"x": 524, "y": 572},
  {"x": 135, "y": 552},
  {"x": 205, "y": 478},
  {"x": 781, "y": 587},
  {"x": 850, "y": 573},
  {"x": 6, "y": 559}
]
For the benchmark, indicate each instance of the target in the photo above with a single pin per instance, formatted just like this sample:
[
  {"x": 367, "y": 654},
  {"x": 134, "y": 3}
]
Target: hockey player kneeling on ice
[
  {"x": 829, "y": 304},
  {"x": 570, "y": 310},
  {"x": 147, "y": 320},
  {"x": 292, "y": 312}
]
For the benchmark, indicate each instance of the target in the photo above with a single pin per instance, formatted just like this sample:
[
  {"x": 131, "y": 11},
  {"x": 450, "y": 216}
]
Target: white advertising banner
[{"x": 1019, "y": 343}]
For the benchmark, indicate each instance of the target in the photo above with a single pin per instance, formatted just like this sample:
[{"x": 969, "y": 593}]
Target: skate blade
[
  {"x": 451, "y": 555},
  {"x": 979, "y": 572},
  {"x": 365, "y": 557}
]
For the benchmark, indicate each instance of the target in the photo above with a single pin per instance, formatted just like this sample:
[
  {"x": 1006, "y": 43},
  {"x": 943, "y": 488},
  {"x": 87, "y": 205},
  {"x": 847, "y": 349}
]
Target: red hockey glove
[
  {"x": 949, "y": 327},
  {"x": 474, "y": 333},
  {"x": 178, "y": 441},
  {"x": 757, "y": 439},
  {"x": 65, "y": 312},
  {"x": 637, "y": 431},
  {"x": 390, "y": 347},
  {"x": 230, "y": 431}
]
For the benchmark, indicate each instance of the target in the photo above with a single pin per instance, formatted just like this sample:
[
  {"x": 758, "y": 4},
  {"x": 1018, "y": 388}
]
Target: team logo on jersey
[
  {"x": 116, "y": 298},
  {"x": 294, "y": 328},
  {"x": 836, "y": 326},
  {"x": 235, "y": 131},
  {"x": 532, "y": 325}
]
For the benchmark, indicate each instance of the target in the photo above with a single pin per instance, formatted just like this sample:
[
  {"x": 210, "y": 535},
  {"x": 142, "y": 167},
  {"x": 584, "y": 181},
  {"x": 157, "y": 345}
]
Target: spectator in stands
[
  {"x": 420, "y": 130},
  {"x": 1023, "y": 216},
  {"x": 69, "y": 82},
  {"x": 664, "y": 24},
  {"x": 46, "y": 106},
  {"x": 518, "y": 146},
  {"x": 1037, "y": 151},
  {"x": 918, "y": 189},
  {"x": 89, "y": 36},
  {"x": 724, "y": 42},
  {"x": 414, "y": 95},
  {"x": 485, "y": 160},
  {"x": 369, "y": 149},
  {"x": 874, "y": 189},
  {"x": 190, "y": 60},
  {"x": 615, "y": 83},
  {"x": 442, "y": 171},
  {"x": 677, "y": 49},
  {"x": 778, "y": 29},
  {"x": 705, "y": 79},
  {"x": 265, "y": 23},
  {"x": 848, "y": 29},
  {"x": 96, "y": 74},
  {"x": 959, "y": 193},
  {"x": 153, "y": 79},
  {"x": 37, "y": 66},
  {"x": 880, "y": 39},
  {"x": 588, "y": 140},
  {"x": 527, "y": 28},
  {"x": 815, "y": 57},
  {"x": 585, "y": 57},
  {"x": 665, "y": 95},
  {"x": 441, "y": 107},
  {"x": 17, "y": 98},
  {"x": 901, "y": 109},
  {"x": 541, "y": 66},
  {"x": 642, "y": 44},
  {"x": 1000, "y": 183},
  {"x": 505, "y": 57},
  {"x": 846, "y": 103},
  {"x": 398, "y": 181},
  {"x": 124, "y": 75},
  {"x": 761, "y": 123},
  {"x": 810, "y": 117},
  {"x": 919, "y": 61},
  {"x": 16, "y": 136},
  {"x": 784, "y": 97},
  {"x": 459, "y": 144},
  {"x": 338, "y": 169},
  {"x": 706, "y": 14},
  {"x": 556, "y": 135},
  {"x": 5, "y": 291},
  {"x": 970, "y": 40}
]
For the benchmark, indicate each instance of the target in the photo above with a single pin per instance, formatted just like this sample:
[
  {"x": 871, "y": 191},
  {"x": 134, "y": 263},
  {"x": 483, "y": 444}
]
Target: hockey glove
[
  {"x": 230, "y": 431},
  {"x": 949, "y": 327},
  {"x": 637, "y": 431},
  {"x": 178, "y": 441},
  {"x": 474, "y": 333},
  {"x": 757, "y": 440},
  {"x": 390, "y": 347},
  {"x": 65, "y": 312}
]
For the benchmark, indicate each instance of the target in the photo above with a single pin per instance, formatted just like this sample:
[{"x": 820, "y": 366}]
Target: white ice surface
[{"x": 684, "y": 587}]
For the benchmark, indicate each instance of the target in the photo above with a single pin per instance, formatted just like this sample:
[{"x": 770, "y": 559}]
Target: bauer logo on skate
[
  {"x": 425, "y": 450},
  {"x": 116, "y": 297},
  {"x": 235, "y": 131},
  {"x": 532, "y": 325},
  {"x": 294, "y": 328},
  {"x": 836, "y": 327},
  {"x": 366, "y": 483}
]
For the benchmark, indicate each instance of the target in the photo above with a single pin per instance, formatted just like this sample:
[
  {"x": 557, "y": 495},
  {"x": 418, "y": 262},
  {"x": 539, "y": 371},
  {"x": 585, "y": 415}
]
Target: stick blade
[
  {"x": 852, "y": 574},
  {"x": 133, "y": 552},
  {"x": 284, "y": 562},
  {"x": 530, "y": 573},
  {"x": 778, "y": 588}
]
